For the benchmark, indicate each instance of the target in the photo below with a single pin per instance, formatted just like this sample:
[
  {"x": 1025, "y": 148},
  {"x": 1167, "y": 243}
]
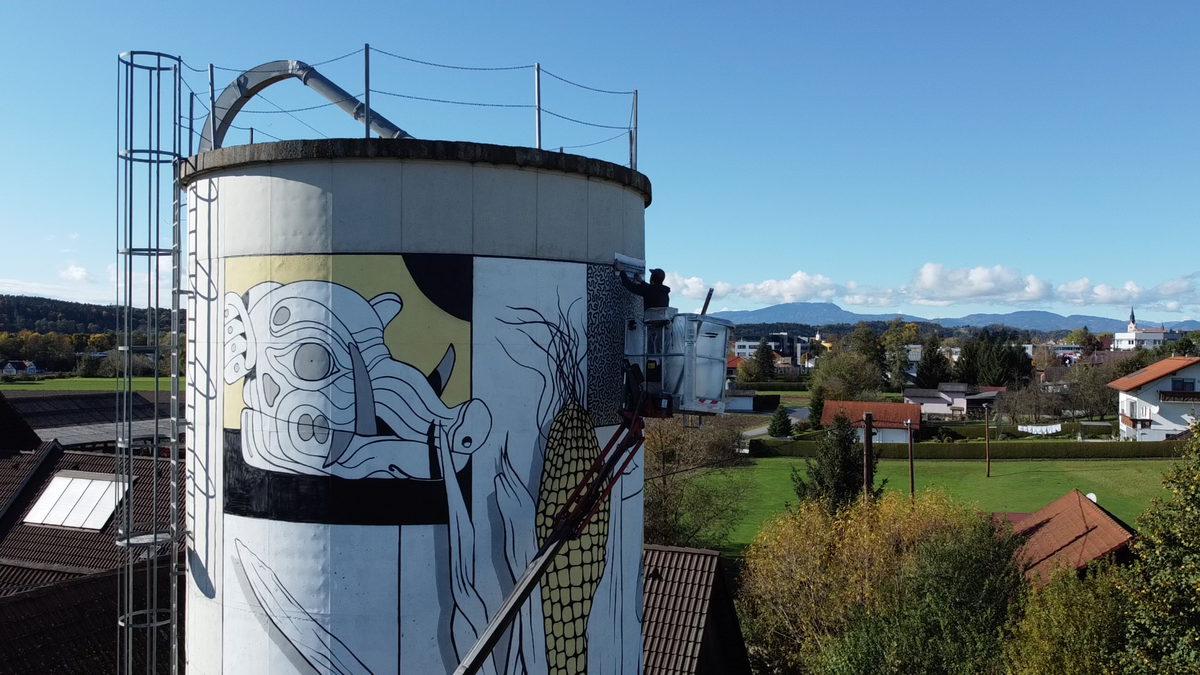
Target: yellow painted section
[{"x": 419, "y": 335}]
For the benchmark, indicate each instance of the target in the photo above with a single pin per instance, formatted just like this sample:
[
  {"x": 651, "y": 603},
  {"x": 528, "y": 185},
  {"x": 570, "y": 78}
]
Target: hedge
[
  {"x": 774, "y": 386},
  {"x": 1005, "y": 450}
]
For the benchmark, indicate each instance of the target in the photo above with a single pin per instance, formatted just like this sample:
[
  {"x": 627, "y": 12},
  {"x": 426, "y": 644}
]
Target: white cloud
[
  {"x": 73, "y": 236},
  {"x": 87, "y": 293},
  {"x": 75, "y": 273},
  {"x": 933, "y": 283},
  {"x": 1170, "y": 296}
]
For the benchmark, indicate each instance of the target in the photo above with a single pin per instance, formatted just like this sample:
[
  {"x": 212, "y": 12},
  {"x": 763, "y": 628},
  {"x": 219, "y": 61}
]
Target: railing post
[
  {"x": 537, "y": 104},
  {"x": 367, "y": 88}
]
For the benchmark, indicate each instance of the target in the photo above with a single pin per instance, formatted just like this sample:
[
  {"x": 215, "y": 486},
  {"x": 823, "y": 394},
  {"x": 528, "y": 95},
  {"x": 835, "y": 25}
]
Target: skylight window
[{"x": 77, "y": 499}]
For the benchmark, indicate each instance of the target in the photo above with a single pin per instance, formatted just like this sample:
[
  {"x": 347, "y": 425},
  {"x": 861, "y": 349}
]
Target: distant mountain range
[{"x": 823, "y": 313}]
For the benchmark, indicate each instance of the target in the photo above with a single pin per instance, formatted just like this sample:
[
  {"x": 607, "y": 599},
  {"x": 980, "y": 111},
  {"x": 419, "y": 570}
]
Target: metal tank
[{"x": 402, "y": 355}]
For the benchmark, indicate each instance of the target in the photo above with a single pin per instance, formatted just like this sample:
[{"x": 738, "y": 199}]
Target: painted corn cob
[{"x": 570, "y": 583}]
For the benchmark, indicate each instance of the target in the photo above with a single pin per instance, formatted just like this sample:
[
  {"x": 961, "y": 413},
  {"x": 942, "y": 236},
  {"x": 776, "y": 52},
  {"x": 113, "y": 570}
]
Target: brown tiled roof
[
  {"x": 15, "y": 433},
  {"x": 1072, "y": 531},
  {"x": 70, "y": 627},
  {"x": 985, "y": 389},
  {"x": 76, "y": 550},
  {"x": 884, "y": 415},
  {"x": 1152, "y": 372},
  {"x": 678, "y": 585},
  {"x": 18, "y": 579},
  {"x": 16, "y": 469}
]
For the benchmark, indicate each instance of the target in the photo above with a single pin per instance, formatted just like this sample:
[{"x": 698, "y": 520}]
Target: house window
[
  {"x": 77, "y": 499},
  {"x": 1183, "y": 384}
]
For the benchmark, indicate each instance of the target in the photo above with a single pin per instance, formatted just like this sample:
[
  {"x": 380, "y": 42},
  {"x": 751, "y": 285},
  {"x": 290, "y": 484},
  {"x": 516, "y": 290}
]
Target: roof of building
[
  {"x": 1152, "y": 372},
  {"x": 72, "y": 551},
  {"x": 884, "y": 415},
  {"x": 983, "y": 390},
  {"x": 70, "y": 627},
  {"x": 15, "y": 433},
  {"x": 953, "y": 387},
  {"x": 733, "y": 361},
  {"x": 87, "y": 418},
  {"x": 16, "y": 468},
  {"x": 685, "y": 595},
  {"x": 1071, "y": 530},
  {"x": 984, "y": 396},
  {"x": 922, "y": 393}
]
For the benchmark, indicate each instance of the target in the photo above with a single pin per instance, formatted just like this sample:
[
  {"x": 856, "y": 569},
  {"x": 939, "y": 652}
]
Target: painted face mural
[
  {"x": 323, "y": 394},
  {"x": 395, "y": 450}
]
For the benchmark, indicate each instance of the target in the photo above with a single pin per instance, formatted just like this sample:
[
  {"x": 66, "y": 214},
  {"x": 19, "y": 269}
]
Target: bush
[
  {"x": 815, "y": 582},
  {"x": 1073, "y": 625},
  {"x": 1044, "y": 449},
  {"x": 942, "y": 612}
]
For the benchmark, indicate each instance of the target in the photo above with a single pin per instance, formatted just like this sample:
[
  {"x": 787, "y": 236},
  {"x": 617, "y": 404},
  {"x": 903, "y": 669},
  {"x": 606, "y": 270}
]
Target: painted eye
[
  {"x": 313, "y": 362},
  {"x": 466, "y": 441}
]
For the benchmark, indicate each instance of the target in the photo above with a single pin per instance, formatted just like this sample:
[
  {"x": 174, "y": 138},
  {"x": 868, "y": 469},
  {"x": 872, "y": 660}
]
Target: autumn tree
[
  {"x": 834, "y": 475},
  {"x": 895, "y": 340},
  {"x": 692, "y": 498}
]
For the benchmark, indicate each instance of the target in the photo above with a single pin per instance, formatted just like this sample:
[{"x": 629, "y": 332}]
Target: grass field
[
  {"x": 1123, "y": 487},
  {"x": 85, "y": 384}
]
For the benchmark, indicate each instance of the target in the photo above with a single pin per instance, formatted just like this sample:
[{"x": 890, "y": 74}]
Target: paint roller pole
[
  {"x": 367, "y": 90},
  {"x": 707, "y": 299},
  {"x": 537, "y": 104},
  {"x": 912, "y": 483},
  {"x": 868, "y": 431}
]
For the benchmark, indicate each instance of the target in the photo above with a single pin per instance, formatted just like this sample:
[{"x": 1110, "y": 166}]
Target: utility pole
[
  {"x": 987, "y": 441},
  {"x": 867, "y": 455},
  {"x": 912, "y": 485}
]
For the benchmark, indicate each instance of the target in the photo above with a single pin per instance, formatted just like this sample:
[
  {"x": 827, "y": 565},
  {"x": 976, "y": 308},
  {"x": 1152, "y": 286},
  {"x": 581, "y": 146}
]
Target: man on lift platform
[{"x": 654, "y": 294}]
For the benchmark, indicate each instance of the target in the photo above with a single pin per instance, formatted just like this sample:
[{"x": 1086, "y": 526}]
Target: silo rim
[{"x": 221, "y": 159}]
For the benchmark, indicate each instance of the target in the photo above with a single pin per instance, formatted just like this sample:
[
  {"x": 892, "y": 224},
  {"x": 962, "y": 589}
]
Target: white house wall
[{"x": 1166, "y": 418}]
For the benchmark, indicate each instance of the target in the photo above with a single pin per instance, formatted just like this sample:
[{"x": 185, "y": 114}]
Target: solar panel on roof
[{"x": 78, "y": 499}]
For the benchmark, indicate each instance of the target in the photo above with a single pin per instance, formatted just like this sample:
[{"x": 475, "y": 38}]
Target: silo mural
[{"x": 393, "y": 391}]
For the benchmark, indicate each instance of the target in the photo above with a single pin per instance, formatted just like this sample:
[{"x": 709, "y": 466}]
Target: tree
[
  {"x": 781, "y": 423},
  {"x": 866, "y": 342},
  {"x": 691, "y": 497},
  {"x": 816, "y": 405},
  {"x": 1088, "y": 390},
  {"x": 835, "y": 473},
  {"x": 1163, "y": 594},
  {"x": 1184, "y": 347},
  {"x": 764, "y": 358},
  {"x": 896, "y": 340},
  {"x": 1074, "y": 625},
  {"x": 748, "y": 372},
  {"x": 1077, "y": 336},
  {"x": 933, "y": 368},
  {"x": 848, "y": 376}
]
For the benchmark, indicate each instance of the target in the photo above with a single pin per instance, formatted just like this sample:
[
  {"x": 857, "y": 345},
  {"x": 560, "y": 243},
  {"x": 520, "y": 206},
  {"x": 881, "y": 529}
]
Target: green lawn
[
  {"x": 1124, "y": 487},
  {"x": 86, "y": 384}
]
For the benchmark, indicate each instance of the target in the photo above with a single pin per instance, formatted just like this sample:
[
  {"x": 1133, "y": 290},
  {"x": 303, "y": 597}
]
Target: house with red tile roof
[
  {"x": 1070, "y": 532},
  {"x": 887, "y": 419},
  {"x": 1160, "y": 400}
]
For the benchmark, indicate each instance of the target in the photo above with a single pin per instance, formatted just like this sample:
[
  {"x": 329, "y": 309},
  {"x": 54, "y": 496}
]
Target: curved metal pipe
[{"x": 248, "y": 84}]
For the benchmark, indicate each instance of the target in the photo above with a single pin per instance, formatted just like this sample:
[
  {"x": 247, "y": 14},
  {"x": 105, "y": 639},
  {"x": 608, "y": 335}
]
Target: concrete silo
[{"x": 401, "y": 354}]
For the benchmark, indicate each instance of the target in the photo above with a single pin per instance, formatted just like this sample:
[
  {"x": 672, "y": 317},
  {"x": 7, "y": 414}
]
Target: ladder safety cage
[{"x": 149, "y": 152}]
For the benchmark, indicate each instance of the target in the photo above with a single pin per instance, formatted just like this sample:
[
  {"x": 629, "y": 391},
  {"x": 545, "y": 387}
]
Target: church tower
[{"x": 1132, "y": 321}]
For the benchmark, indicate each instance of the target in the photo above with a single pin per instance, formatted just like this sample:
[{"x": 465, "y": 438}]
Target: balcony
[
  {"x": 1178, "y": 396},
  {"x": 1134, "y": 423}
]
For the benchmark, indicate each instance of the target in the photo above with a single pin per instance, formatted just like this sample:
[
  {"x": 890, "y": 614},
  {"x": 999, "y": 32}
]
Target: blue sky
[{"x": 936, "y": 158}]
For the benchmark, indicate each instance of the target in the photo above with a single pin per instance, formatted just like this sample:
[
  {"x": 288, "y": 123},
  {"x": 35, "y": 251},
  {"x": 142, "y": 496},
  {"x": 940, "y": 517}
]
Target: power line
[
  {"x": 280, "y": 70},
  {"x": 443, "y": 65},
  {"x": 589, "y": 124},
  {"x": 294, "y": 110},
  {"x": 292, "y": 116},
  {"x": 584, "y": 86},
  {"x": 442, "y": 100},
  {"x": 588, "y": 145}
]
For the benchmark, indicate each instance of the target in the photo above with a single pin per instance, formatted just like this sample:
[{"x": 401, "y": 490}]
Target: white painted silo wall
[{"x": 451, "y": 299}]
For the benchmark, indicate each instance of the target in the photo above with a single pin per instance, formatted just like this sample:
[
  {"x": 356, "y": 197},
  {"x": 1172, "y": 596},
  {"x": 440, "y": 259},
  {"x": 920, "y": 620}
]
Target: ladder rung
[{"x": 147, "y": 251}]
